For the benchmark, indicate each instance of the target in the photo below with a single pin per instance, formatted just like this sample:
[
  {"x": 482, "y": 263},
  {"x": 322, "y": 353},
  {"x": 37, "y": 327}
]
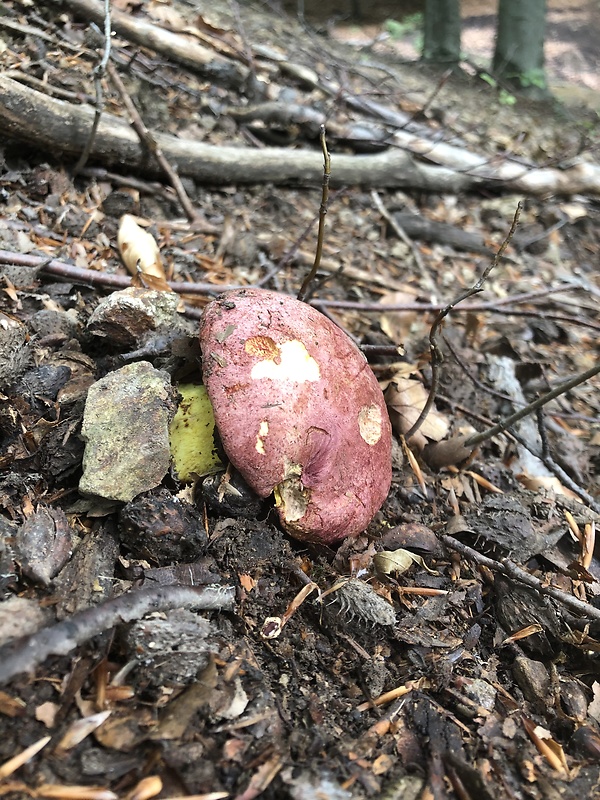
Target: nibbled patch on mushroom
[
  {"x": 290, "y": 361},
  {"x": 291, "y": 498},
  {"x": 262, "y": 347},
  {"x": 263, "y": 430},
  {"x": 369, "y": 423}
]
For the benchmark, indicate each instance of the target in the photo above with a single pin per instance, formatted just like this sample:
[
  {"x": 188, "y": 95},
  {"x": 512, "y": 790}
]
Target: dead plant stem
[
  {"x": 436, "y": 354},
  {"x": 306, "y": 284}
]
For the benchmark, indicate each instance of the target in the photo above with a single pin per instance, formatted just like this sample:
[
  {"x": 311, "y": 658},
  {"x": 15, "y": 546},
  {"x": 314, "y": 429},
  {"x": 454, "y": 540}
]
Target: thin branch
[
  {"x": 509, "y": 568},
  {"x": 503, "y": 425},
  {"x": 58, "y": 640},
  {"x": 492, "y": 392},
  {"x": 436, "y": 354},
  {"x": 93, "y": 277},
  {"x": 306, "y": 284},
  {"x": 545, "y": 457},
  {"x": 150, "y": 142},
  {"x": 403, "y": 236},
  {"x": 99, "y": 72},
  {"x": 491, "y": 305}
]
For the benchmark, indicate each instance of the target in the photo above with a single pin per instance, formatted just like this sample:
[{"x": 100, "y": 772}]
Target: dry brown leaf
[
  {"x": 139, "y": 249},
  {"x": 546, "y": 746},
  {"x": 59, "y": 791},
  {"x": 143, "y": 280},
  {"x": 382, "y": 764},
  {"x": 405, "y": 399},
  {"x": 205, "y": 24},
  {"x": 523, "y": 633},
  {"x": 146, "y": 789},
  {"x": 46, "y": 713},
  {"x": 81, "y": 729},
  {"x": 594, "y": 706},
  {"x": 168, "y": 16},
  {"x": 547, "y": 482},
  {"x": 247, "y": 581},
  {"x": 23, "y": 757},
  {"x": 11, "y": 706},
  {"x": 397, "y": 325}
]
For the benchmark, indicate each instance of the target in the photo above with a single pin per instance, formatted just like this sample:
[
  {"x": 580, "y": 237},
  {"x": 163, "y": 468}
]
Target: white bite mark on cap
[
  {"x": 294, "y": 363},
  {"x": 369, "y": 423},
  {"x": 263, "y": 430}
]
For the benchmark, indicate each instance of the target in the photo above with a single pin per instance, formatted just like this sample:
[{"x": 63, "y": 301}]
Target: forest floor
[{"x": 473, "y": 673}]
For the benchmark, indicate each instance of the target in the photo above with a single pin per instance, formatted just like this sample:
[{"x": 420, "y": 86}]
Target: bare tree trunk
[
  {"x": 442, "y": 31},
  {"x": 519, "y": 53}
]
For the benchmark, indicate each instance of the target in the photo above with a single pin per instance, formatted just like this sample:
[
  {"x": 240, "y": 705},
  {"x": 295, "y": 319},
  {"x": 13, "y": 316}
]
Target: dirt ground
[{"x": 179, "y": 643}]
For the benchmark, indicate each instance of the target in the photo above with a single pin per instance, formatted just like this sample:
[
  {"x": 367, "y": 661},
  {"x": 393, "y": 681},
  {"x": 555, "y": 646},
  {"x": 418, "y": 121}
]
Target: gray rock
[{"x": 126, "y": 430}]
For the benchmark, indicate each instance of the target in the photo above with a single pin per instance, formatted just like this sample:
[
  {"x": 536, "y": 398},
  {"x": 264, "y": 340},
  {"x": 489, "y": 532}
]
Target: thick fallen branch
[
  {"x": 57, "y": 126},
  {"x": 60, "y": 639}
]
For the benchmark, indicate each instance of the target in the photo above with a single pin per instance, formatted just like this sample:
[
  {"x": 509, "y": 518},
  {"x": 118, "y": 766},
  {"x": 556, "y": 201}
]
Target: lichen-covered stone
[{"x": 126, "y": 430}]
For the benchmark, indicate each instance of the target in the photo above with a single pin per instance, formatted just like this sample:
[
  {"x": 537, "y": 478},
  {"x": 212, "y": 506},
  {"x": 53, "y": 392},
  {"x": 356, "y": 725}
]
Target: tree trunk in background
[
  {"x": 519, "y": 53},
  {"x": 442, "y": 31}
]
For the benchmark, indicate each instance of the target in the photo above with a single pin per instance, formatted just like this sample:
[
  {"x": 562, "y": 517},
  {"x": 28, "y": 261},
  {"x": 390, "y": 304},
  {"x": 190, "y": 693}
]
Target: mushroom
[{"x": 299, "y": 412}]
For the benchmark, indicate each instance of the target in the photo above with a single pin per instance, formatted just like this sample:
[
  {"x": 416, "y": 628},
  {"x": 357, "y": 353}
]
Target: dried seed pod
[{"x": 359, "y": 600}]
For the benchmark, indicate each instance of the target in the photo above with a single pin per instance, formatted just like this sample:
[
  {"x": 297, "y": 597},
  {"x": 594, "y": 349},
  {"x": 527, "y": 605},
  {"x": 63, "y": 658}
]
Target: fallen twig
[
  {"x": 56, "y": 126},
  {"x": 61, "y": 269},
  {"x": 491, "y": 305},
  {"x": 150, "y": 142},
  {"x": 182, "y": 49},
  {"x": 98, "y": 73},
  {"x": 509, "y": 568},
  {"x": 401, "y": 234},
  {"x": 26, "y": 654},
  {"x": 436, "y": 353},
  {"x": 94, "y": 278}
]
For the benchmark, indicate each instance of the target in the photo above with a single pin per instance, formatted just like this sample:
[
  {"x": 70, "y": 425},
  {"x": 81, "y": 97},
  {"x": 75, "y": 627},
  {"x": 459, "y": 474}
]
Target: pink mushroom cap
[{"x": 299, "y": 412}]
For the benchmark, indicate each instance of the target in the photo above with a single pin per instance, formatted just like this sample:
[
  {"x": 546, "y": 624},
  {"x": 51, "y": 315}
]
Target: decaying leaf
[
  {"x": 405, "y": 399},
  {"x": 594, "y": 706},
  {"x": 398, "y": 325},
  {"x": 547, "y": 482},
  {"x": 192, "y": 435},
  {"x": 138, "y": 248},
  {"x": 81, "y": 729},
  {"x": 395, "y": 562}
]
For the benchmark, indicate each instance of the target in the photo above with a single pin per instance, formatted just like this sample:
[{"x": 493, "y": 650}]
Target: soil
[{"x": 449, "y": 651}]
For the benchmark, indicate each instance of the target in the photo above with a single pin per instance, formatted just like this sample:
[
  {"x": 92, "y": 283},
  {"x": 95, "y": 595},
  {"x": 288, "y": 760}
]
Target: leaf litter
[{"x": 429, "y": 681}]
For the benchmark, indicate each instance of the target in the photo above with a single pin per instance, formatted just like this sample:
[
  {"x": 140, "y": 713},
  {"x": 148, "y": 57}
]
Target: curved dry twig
[{"x": 436, "y": 353}]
